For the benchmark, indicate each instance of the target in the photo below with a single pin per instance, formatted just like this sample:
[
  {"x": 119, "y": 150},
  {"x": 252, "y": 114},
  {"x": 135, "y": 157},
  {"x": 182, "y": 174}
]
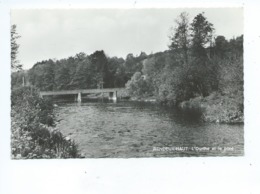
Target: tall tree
[
  {"x": 99, "y": 65},
  {"x": 82, "y": 76},
  {"x": 62, "y": 77},
  {"x": 181, "y": 36},
  {"x": 15, "y": 64},
  {"x": 201, "y": 33},
  {"x": 202, "y": 73}
]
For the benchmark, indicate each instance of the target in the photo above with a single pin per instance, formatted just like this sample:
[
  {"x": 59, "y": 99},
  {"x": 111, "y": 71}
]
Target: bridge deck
[{"x": 83, "y": 91}]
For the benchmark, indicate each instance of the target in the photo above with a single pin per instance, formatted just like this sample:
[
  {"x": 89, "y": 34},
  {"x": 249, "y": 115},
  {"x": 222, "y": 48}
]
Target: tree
[
  {"x": 181, "y": 36},
  {"x": 115, "y": 72},
  {"x": 236, "y": 46},
  {"x": 19, "y": 78},
  {"x": 62, "y": 77},
  {"x": 221, "y": 46},
  {"x": 137, "y": 86},
  {"x": 82, "y": 76},
  {"x": 42, "y": 75},
  {"x": 15, "y": 64},
  {"x": 202, "y": 73},
  {"x": 99, "y": 65},
  {"x": 201, "y": 33},
  {"x": 48, "y": 75},
  {"x": 120, "y": 76},
  {"x": 129, "y": 65}
]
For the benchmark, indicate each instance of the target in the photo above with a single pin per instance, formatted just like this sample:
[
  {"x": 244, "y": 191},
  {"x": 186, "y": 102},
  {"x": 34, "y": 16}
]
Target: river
[{"x": 136, "y": 129}]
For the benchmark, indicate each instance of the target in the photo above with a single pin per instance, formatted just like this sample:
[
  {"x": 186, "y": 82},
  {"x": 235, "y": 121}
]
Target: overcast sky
[{"x": 61, "y": 33}]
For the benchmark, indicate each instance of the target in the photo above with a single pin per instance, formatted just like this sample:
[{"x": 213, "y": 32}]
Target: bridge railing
[{"x": 82, "y": 91}]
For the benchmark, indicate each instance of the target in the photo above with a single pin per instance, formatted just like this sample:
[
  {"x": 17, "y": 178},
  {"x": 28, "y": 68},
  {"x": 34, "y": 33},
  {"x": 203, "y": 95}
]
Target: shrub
[
  {"x": 138, "y": 86},
  {"x": 32, "y": 127},
  {"x": 216, "y": 108}
]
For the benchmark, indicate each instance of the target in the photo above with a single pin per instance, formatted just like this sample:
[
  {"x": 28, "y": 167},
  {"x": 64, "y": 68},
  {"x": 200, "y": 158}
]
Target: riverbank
[
  {"x": 213, "y": 108},
  {"x": 217, "y": 108},
  {"x": 33, "y": 131}
]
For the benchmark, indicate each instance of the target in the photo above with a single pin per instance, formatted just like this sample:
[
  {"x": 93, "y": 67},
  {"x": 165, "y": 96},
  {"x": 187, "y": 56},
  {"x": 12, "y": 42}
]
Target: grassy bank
[
  {"x": 217, "y": 108},
  {"x": 33, "y": 132}
]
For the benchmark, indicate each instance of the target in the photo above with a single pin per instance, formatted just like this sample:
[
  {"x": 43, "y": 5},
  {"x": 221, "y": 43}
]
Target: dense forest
[
  {"x": 199, "y": 69},
  {"x": 81, "y": 71}
]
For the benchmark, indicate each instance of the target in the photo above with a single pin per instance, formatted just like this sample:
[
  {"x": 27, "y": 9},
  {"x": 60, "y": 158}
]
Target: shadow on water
[{"x": 182, "y": 116}]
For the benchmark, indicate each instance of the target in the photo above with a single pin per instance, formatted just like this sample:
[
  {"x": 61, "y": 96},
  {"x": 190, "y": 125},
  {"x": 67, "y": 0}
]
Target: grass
[{"x": 217, "y": 108}]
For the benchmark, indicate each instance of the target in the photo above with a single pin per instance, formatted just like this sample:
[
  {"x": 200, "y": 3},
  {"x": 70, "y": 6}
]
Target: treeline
[
  {"x": 167, "y": 78},
  {"x": 198, "y": 71},
  {"x": 80, "y": 72},
  {"x": 197, "y": 65}
]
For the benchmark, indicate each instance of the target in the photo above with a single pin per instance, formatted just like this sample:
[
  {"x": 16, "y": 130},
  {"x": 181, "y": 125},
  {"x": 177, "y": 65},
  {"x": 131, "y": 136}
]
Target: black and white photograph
[
  {"x": 127, "y": 83},
  {"x": 129, "y": 97}
]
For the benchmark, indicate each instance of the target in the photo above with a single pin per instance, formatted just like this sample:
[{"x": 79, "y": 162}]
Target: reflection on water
[{"x": 135, "y": 129}]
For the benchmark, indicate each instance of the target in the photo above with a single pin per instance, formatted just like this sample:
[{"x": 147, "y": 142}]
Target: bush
[
  {"x": 32, "y": 127},
  {"x": 217, "y": 108},
  {"x": 138, "y": 86}
]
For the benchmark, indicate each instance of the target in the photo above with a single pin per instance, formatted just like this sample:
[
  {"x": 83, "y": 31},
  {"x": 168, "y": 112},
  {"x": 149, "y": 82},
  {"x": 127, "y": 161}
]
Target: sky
[{"x": 61, "y": 33}]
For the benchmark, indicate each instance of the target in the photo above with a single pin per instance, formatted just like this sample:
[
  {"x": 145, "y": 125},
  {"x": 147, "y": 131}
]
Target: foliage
[
  {"x": 33, "y": 128},
  {"x": 181, "y": 37},
  {"x": 81, "y": 72},
  {"x": 15, "y": 64},
  {"x": 217, "y": 108},
  {"x": 19, "y": 78},
  {"x": 183, "y": 72},
  {"x": 138, "y": 86},
  {"x": 201, "y": 33},
  {"x": 196, "y": 66},
  {"x": 195, "y": 69}
]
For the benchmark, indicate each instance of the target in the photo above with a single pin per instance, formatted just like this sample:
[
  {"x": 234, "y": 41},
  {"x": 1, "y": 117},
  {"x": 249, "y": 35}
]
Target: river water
[{"x": 137, "y": 129}]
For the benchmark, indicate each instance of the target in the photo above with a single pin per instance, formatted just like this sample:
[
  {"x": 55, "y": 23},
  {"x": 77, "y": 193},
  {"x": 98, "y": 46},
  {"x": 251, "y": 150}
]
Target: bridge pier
[
  {"x": 79, "y": 97},
  {"x": 112, "y": 96}
]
